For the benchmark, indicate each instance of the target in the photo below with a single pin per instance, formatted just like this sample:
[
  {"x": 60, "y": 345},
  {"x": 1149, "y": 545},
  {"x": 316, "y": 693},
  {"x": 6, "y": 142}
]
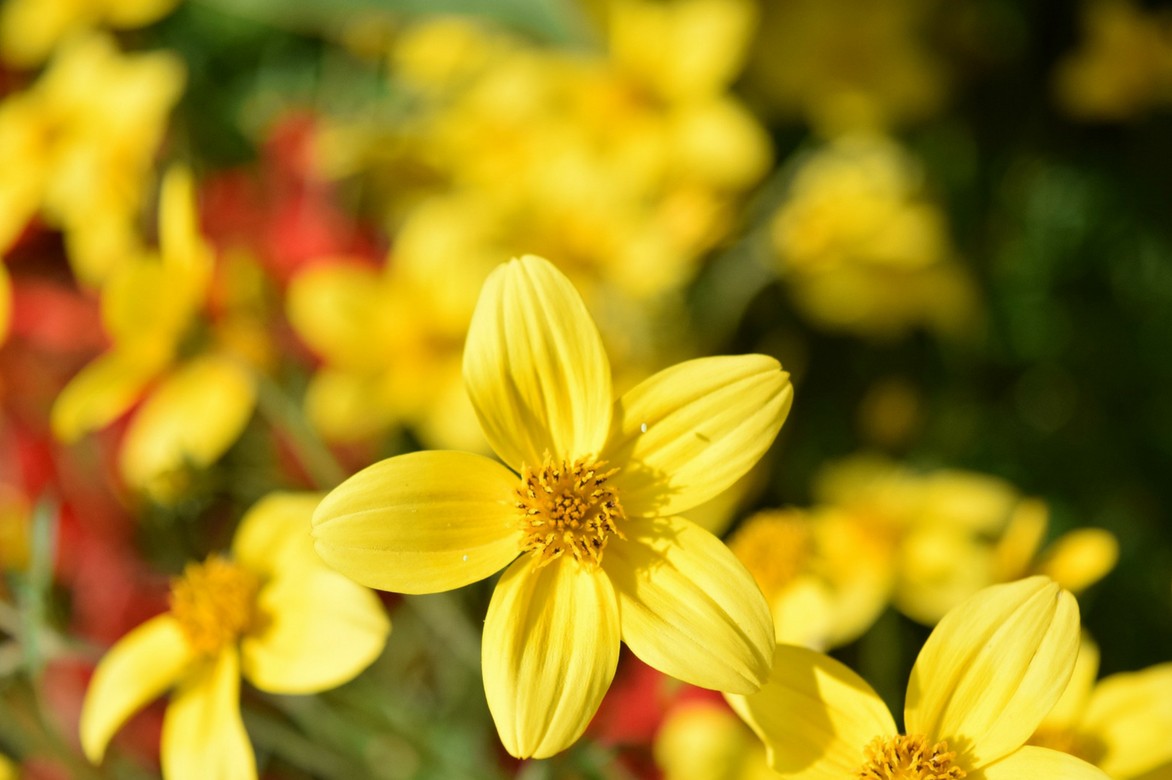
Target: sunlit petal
[
  {"x": 689, "y": 607},
  {"x": 275, "y": 534},
  {"x": 993, "y": 668},
  {"x": 100, "y": 393},
  {"x": 203, "y": 734},
  {"x": 551, "y": 645},
  {"x": 421, "y": 523},
  {"x": 318, "y": 630},
  {"x": 535, "y": 367},
  {"x": 815, "y": 715},
  {"x": 1080, "y": 558},
  {"x": 139, "y": 668},
  {"x": 1036, "y": 762},
  {"x": 690, "y": 431}
]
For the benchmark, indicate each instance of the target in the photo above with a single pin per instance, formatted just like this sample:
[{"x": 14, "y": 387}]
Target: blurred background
[{"x": 948, "y": 220}]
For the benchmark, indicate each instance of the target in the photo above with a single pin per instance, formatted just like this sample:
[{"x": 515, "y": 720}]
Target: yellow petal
[
  {"x": 100, "y": 393},
  {"x": 1070, "y": 708},
  {"x": 815, "y": 716},
  {"x": 139, "y": 668},
  {"x": 203, "y": 734},
  {"x": 5, "y": 298},
  {"x": 1021, "y": 540},
  {"x": 186, "y": 257},
  {"x": 346, "y": 407},
  {"x": 421, "y": 523},
  {"x": 275, "y": 534},
  {"x": 344, "y": 312},
  {"x": 692, "y": 430},
  {"x": 993, "y": 668},
  {"x": 1035, "y": 762},
  {"x": 1129, "y": 717},
  {"x": 190, "y": 419},
  {"x": 551, "y": 645},
  {"x": 535, "y": 367},
  {"x": 689, "y": 607},
  {"x": 319, "y": 630},
  {"x": 1080, "y": 558}
]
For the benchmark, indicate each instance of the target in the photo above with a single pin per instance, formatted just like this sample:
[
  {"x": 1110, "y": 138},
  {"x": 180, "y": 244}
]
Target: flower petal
[
  {"x": 551, "y": 645},
  {"x": 1129, "y": 716},
  {"x": 1080, "y": 558},
  {"x": 275, "y": 534},
  {"x": 139, "y": 668},
  {"x": 194, "y": 415},
  {"x": 421, "y": 523},
  {"x": 102, "y": 392},
  {"x": 690, "y": 431},
  {"x": 203, "y": 733},
  {"x": 993, "y": 668},
  {"x": 1039, "y": 762},
  {"x": 535, "y": 367},
  {"x": 320, "y": 630},
  {"x": 815, "y": 715},
  {"x": 689, "y": 607}
]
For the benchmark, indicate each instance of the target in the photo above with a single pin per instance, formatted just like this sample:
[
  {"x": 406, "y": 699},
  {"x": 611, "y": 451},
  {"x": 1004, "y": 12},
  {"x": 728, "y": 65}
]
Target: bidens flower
[
  {"x": 271, "y": 611},
  {"x": 590, "y": 502},
  {"x": 988, "y": 674}
]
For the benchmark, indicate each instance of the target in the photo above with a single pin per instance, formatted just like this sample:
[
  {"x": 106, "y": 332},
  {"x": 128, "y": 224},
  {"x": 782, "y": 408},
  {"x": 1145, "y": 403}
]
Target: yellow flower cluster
[{"x": 861, "y": 247}]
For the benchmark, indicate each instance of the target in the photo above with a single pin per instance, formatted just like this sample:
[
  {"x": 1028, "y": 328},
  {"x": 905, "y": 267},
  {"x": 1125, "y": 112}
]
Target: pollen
[
  {"x": 568, "y": 509},
  {"x": 215, "y": 603},
  {"x": 909, "y": 758}
]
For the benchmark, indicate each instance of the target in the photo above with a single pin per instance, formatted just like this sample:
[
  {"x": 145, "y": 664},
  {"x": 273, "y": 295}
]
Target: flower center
[
  {"x": 568, "y": 508},
  {"x": 909, "y": 758},
  {"x": 215, "y": 603},
  {"x": 776, "y": 547}
]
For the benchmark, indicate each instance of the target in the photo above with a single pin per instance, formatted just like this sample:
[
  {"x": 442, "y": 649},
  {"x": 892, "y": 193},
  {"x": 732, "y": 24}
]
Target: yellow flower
[
  {"x": 271, "y": 611},
  {"x": 199, "y": 405},
  {"x": 31, "y": 29},
  {"x": 825, "y": 575},
  {"x": 985, "y": 678},
  {"x": 863, "y": 250},
  {"x": 702, "y": 740},
  {"x": 1122, "y": 68},
  {"x": 80, "y": 144},
  {"x": 390, "y": 341},
  {"x": 588, "y": 506},
  {"x": 1120, "y": 724},
  {"x": 8, "y": 770}
]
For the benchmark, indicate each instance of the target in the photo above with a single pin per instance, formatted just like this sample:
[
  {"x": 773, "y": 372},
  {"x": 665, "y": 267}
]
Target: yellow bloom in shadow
[
  {"x": 984, "y": 680},
  {"x": 1123, "y": 67},
  {"x": 8, "y": 770},
  {"x": 705, "y": 741},
  {"x": 584, "y": 513},
  {"x": 270, "y": 611},
  {"x": 197, "y": 404},
  {"x": 1120, "y": 723}
]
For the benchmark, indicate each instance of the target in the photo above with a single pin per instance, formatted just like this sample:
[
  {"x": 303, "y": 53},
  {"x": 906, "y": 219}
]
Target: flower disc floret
[
  {"x": 215, "y": 603},
  {"x": 568, "y": 508},
  {"x": 909, "y": 758}
]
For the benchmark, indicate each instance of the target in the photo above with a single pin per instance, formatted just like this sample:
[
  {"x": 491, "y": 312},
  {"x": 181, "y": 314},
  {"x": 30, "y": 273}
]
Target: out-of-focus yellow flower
[
  {"x": 1124, "y": 66},
  {"x": 826, "y": 576},
  {"x": 628, "y": 166},
  {"x": 391, "y": 343},
  {"x": 271, "y": 612},
  {"x": 702, "y": 740},
  {"x": 7, "y": 769},
  {"x": 31, "y": 29},
  {"x": 1121, "y": 723},
  {"x": 79, "y": 146},
  {"x": 862, "y": 250},
  {"x": 950, "y": 533},
  {"x": 5, "y": 301},
  {"x": 984, "y": 680},
  {"x": 197, "y": 403},
  {"x": 585, "y": 516},
  {"x": 846, "y": 65},
  {"x": 14, "y": 529}
]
